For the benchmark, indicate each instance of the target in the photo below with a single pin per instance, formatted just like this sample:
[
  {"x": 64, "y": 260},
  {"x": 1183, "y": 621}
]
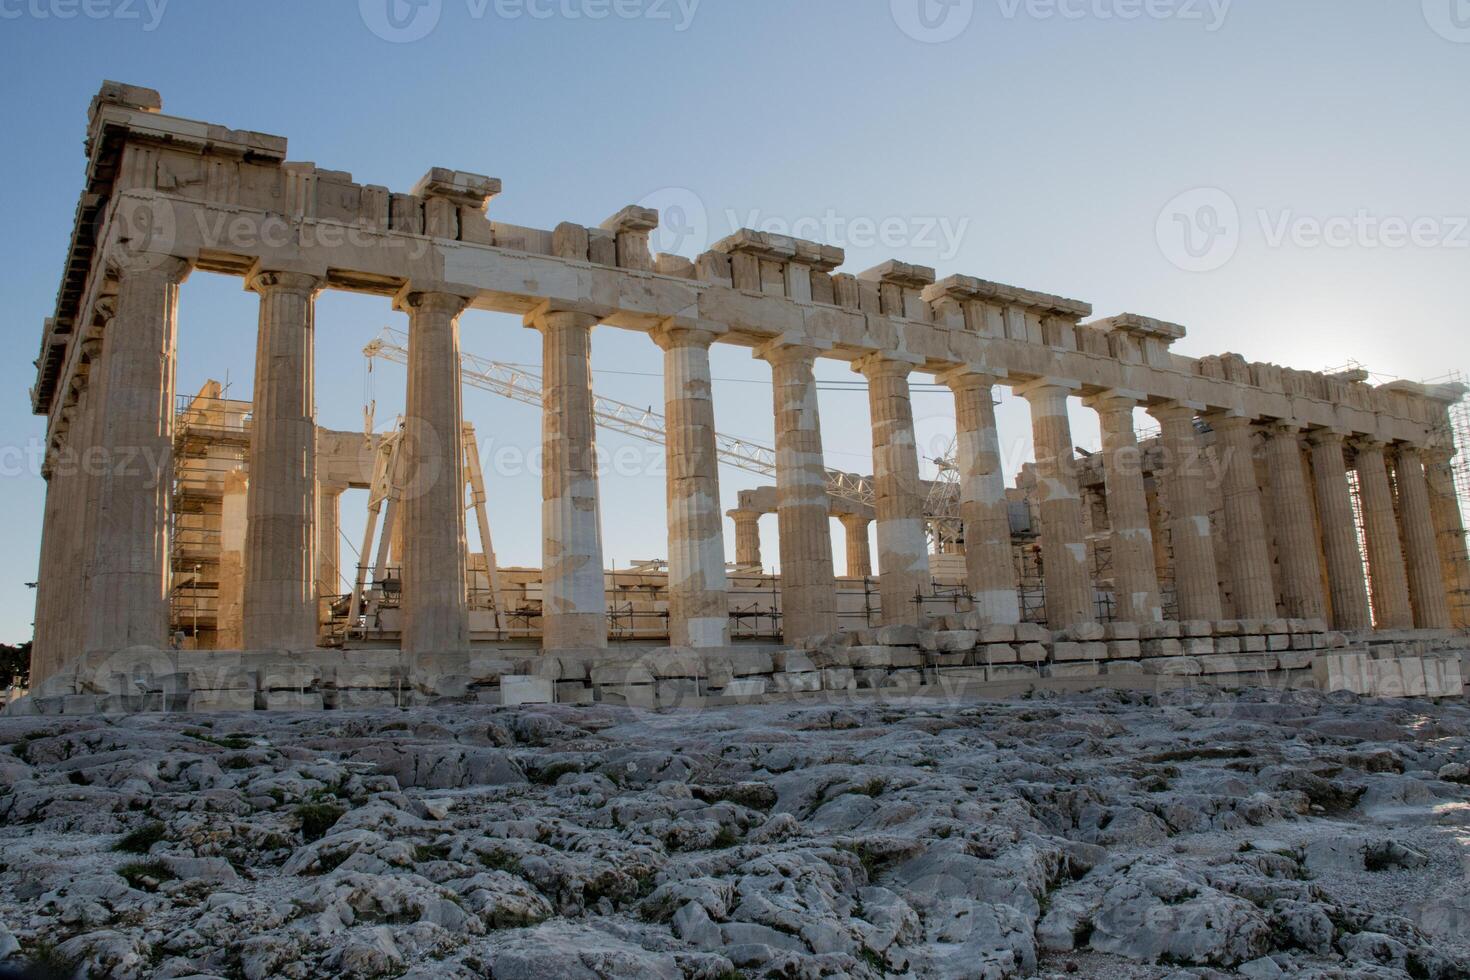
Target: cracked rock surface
[{"x": 1110, "y": 834}]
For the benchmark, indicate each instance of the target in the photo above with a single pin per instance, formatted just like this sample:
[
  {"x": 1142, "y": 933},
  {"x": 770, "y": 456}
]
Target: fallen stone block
[
  {"x": 1032, "y": 633},
  {"x": 1342, "y": 672},
  {"x": 1125, "y": 649},
  {"x": 1197, "y": 646},
  {"x": 1172, "y": 666},
  {"x": 1278, "y": 641},
  {"x": 807, "y": 682},
  {"x": 574, "y": 692},
  {"x": 1083, "y": 633},
  {"x": 1060, "y": 670},
  {"x": 518, "y": 690},
  {"x": 292, "y": 701},
  {"x": 1238, "y": 663},
  {"x": 997, "y": 633},
  {"x": 629, "y": 695},
  {"x": 1295, "y": 659},
  {"x": 1001, "y": 673},
  {"x": 885, "y": 656},
  {"x": 745, "y": 687},
  {"x": 1122, "y": 667},
  {"x": 1164, "y": 630},
  {"x": 202, "y": 702},
  {"x": 1065, "y": 652},
  {"x": 950, "y": 641},
  {"x": 1000, "y": 653},
  {"x": 1166, "y": 647},
  {"x": 838, "y": 679},
  {"x": 1031, "y": 653}
]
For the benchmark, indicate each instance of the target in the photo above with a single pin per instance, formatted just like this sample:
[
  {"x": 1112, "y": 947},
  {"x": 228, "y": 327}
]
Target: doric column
[
  {"x": 1345, "y": 579},
  {"x": 77, "y": 478},
  {"x": 47, "y": 649},
  {"x": 699, "y": 605},
  {"x": 859, "y": 556},
  {"x": 1135, "y": 577},
  {"x": 574, "y": 601},
  {"x": 280, "y": 536},
  {"x": 1247, "y": 549},
  {"x": 127, "y": 601},
  {"x": 1391, "y": 609},
  {"x": 1425, "y": 569},
  {"x": 1296, "y": 534},
  {"x": 1449, "y": 525},
  {"x": 1069, "y": 593},
  {"x": 990, "y": 566},
  {"x": 432, "y": 506},
  {"x": 898, "y": 498},
  {"x": 1196, "y": 577},
  {"x": 229, "y": 631},
  {"x": 328, "y": 539},
  {"x": 808, "y": 586},
  {"x": 747, "y": 537}
]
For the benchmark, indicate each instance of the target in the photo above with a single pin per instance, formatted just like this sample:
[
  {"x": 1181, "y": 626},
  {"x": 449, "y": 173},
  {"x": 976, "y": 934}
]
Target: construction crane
[{"x": 522, "y": 385}]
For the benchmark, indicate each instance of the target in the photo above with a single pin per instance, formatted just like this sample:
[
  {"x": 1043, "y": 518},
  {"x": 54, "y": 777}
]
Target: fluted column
[
  {"x": 808, "y": 586},
  {"x": 699, "y": 605},
  {"x": 77, "y": 477},
  {"x": 1196, "y": 576},
  {"x": 1425, "y": 569},
  {"x": 280, "y": 537},
  {"x": 859, "y": 555},
  {"x": 1296, "y": 535},
  {"x": 47, "y": 649},
  {"x": 1449, "y": 525},
  {"x": 990, "y": 567},
  {"x": 747, "y": 537},
  {"x": 1069, "y": 593},
  {"x": 898, "y": 498},
  {"x": 1391, "y": 608},
  {"x": 1248, "y": 551},
  {"x": 328, "y": 539},
  {"x": 1134, "y": 573},
  {"x": 432, "y": 505},
  {"x": 574, "y": 603},
  {"x": 127, "y": 602},
  {"x": 1345, "y": 579}
]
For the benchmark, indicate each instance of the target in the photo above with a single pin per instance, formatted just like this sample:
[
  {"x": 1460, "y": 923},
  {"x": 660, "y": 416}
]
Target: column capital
[
  {"x": 893, "y": 364},
  {"x": 549, "y": 314},
  {"x": 1174, "y": 410},
  {"x": 411, "y": 300},
  {"x": 672, "y": 334},
  {"x": 964, "y": 377},
  {"x": 1368, "y": 444},
  {"x": 1435, "y": 455},
  {"x": 1327, "y": 437},
  {"x": 1049, "y": 386},
  {"x": 1227, "y": 419},
  {"x": 259, "y": 280},
  {"x": 169, "y": 267},
  {"x": 787, "y": 348},
  {"x": 1114, "y": 400}
]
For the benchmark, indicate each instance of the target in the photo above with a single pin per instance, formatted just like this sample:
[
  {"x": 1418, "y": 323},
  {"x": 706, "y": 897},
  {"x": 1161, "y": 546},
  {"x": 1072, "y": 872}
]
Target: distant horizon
[{"x": 1286, "y": 182}]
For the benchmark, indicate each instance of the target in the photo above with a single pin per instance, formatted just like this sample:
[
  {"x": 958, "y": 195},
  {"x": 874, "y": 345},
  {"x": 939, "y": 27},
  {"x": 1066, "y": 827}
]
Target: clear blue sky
[{"x": 1048, "y": 137}]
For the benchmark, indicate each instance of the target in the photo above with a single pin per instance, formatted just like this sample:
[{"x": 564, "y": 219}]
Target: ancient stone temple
[{"x": 1280, "y": 521}]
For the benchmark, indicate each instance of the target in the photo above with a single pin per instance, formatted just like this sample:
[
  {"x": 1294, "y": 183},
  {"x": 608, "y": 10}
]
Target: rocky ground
[{"x": 1101, "y": 835}]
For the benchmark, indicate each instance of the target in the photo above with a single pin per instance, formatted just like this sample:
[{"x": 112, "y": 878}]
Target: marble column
[
  {"x": 47, "y": 650},
  {"x": 1296, "y": 535},
  {"x": 898, "y": 497},
  {"x": 859, "y": 556},
  {"x": 1247, "y": 548},
  {"x": 1345, "y": 578},
  {"x": 808, "y": 585},
  {"x": 1134, "y": 573},
  {"x": 699, "y": 604},
  {"x": 1425, "y": 570},
  {"x": 280, "y": 537},
  {"x": 1069, "y": 592},
  {"x": 127, "y": 601},
  {"x": 230, "y": 611},
  {"x": 1449, "y": 526},
  {"x": 574, "y": 599},
  {"x": 747, "y": 538},
  {"x": 432, "y": 506},
  {"x": 990, "y": 566},
  {"x": 1386, "y": 571},
  {"x": 329, "y": 539},
  {"x": 1196, "y": 576}
]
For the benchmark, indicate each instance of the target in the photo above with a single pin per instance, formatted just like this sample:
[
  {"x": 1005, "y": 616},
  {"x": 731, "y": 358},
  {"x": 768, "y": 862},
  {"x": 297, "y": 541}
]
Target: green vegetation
[{"x": 140, "y": 841}]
